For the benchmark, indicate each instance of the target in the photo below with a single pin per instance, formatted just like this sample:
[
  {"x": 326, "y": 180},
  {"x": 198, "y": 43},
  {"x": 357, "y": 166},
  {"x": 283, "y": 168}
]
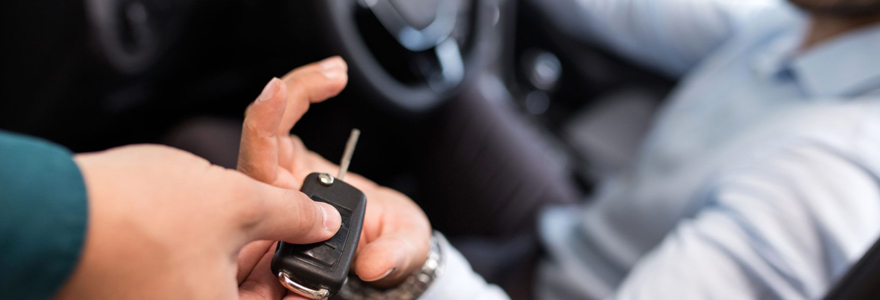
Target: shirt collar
[{"x": 844, "y": 66}]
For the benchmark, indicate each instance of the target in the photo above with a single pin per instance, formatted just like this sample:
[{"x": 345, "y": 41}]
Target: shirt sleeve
[
  {"x": 459, "y": 281},
  {"x": 668, "y": 35},
  {"x": 786, "y": 226},
  {"x": 43, "y": 214}
]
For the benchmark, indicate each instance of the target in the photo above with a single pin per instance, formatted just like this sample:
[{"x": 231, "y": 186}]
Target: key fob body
[{"x": 320, "y": 270}]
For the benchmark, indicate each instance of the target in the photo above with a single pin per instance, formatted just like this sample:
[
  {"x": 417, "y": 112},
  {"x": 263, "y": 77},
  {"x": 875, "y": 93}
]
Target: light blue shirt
[{"x": 759, "y": 180}]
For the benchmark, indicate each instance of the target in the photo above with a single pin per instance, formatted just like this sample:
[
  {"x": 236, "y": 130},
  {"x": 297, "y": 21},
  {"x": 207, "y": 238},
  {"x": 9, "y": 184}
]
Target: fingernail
[
  {"x": 332, "y": 67},
  {"x": 380, "y": 277},
  {"x": 270, "y": 90},
  {"x": 332, "y": 220},
  {"x": 386, "y": 273},
  {"x": 332, "y": 74},
  {"x": 331, "y": 63}
]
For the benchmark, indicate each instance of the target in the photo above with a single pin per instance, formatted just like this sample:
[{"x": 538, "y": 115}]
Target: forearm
[
  {"x": 784, "y": 227},
  {"x": 43, "y": 215}
]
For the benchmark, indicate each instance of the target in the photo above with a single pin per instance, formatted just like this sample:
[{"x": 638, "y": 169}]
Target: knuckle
[
  {"x": 253, "y": 133},
  {"x": 305, "y": 88},
  {"x": 249, "y": 109},
  {"x": 296, "y": 84},
  {"x": 250, "y": 127}
]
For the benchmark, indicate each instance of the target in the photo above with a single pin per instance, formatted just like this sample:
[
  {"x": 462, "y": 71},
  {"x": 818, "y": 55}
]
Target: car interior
[{"x": 446, "y": 93}]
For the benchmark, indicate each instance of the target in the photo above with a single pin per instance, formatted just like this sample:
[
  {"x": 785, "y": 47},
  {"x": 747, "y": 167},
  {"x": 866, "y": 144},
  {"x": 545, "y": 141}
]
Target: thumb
[{"x": 287, "y": 215}]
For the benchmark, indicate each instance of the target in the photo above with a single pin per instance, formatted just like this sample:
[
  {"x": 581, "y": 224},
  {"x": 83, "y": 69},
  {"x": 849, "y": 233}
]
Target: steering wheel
[
  {"x": 134, "y": 34},
  {"x": 429, "y": 36}
]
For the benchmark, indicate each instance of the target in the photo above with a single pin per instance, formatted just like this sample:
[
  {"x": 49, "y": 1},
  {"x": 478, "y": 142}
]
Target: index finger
[
  {"x": 309, "y": 84},
  {"x": 312, "y": 83}
]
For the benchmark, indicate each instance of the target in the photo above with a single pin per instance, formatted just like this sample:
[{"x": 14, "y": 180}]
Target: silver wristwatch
[{"x": 411, "y": 289}]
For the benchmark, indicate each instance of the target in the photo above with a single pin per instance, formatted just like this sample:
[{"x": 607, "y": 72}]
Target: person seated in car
[{"x": 759, "y": 180}]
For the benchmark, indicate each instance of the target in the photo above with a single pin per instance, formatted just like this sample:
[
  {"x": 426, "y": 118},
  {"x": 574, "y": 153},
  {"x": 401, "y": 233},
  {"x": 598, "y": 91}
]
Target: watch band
[{"x": 411, "y": 288}]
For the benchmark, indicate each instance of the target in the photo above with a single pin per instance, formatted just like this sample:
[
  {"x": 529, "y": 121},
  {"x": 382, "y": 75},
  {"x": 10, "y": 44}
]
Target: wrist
[{"x": 412, "y": 286}]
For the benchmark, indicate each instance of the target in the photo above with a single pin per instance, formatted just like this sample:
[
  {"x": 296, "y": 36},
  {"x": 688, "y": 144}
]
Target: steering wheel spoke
[{"x": 426, "y": 36}]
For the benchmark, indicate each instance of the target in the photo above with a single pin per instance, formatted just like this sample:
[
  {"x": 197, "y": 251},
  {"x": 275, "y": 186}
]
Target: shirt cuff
[
  {"x": 458, "y": 280},
  {"x": 43, "y": 217}
]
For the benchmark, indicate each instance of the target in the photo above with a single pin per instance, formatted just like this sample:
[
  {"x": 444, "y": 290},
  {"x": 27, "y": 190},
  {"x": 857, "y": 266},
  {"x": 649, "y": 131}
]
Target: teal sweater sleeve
[{"x": 43, "y": 215}]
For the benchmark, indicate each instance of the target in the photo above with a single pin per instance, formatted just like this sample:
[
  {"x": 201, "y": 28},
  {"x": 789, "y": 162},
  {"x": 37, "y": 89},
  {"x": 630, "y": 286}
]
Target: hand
[
  {"x": 165, "y": 224},
  {"x": 396, "y": 234}
]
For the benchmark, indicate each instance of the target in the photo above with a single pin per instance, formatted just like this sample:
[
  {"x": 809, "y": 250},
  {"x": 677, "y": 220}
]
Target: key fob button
[
  {"x": 324, "y": 254},
  {"x": 338, "y": 240},
  {"x": 345, "y": 221}
]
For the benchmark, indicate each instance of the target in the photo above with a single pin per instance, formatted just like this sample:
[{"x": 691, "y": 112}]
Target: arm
[
  {"x": 122, "y": 237},
  {"x": 785, "y": 228},
  {"x": 459, "y": 281},
  {"x": 43, "y": 213},
  {"x": 670, "y": 36}
]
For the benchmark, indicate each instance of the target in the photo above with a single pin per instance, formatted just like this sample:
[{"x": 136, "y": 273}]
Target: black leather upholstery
[{"x": 862, "y": 281}]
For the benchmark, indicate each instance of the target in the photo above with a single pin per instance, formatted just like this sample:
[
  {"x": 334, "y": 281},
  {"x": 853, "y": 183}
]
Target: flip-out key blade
[{"x": 319, "y": 270}]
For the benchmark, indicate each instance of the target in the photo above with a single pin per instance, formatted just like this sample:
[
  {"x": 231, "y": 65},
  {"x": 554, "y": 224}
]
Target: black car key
[{"x": 320, "y": 270}]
